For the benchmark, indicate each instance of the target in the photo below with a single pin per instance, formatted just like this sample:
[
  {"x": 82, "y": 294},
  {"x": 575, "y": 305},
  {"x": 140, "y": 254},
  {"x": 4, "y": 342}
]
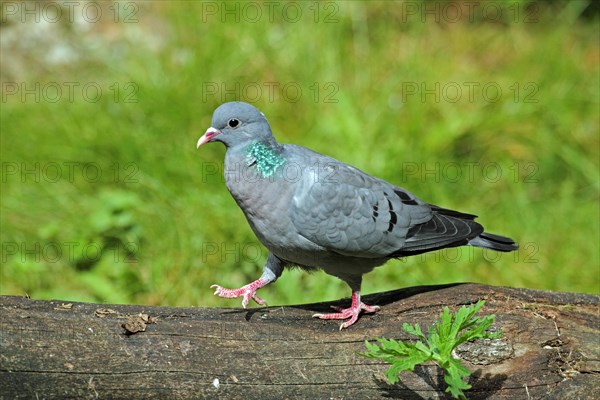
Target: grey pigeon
[{"x": 313, "y": 211}]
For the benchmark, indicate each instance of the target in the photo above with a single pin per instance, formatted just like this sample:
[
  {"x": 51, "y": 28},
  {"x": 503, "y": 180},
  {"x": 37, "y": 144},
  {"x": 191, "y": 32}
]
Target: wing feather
[
  {"x": 345, "y": 210},
  {"x": 351, "y": 212}
]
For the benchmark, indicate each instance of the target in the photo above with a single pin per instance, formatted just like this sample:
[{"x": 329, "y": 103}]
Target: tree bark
[{"x": 61, "y": 350}]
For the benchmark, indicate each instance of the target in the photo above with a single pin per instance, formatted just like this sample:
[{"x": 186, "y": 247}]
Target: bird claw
[
  {"x": 344, "y": 313},
  {"x": 247, "y": 292}
]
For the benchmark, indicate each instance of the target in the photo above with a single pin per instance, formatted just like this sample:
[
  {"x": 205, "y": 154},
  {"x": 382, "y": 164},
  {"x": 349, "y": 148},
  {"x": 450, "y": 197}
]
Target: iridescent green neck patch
[{"x": 266, "y": 158}]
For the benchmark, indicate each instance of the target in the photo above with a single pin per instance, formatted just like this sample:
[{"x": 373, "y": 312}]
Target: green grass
[{"x": 159, "y": 227}]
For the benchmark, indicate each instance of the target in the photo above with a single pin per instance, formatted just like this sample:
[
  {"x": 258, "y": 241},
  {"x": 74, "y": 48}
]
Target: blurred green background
[{"x": 490, "y": 108}]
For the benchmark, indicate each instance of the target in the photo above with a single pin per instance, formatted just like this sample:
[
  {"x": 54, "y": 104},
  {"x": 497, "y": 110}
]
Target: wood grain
[{"x": 62, "y": 350}]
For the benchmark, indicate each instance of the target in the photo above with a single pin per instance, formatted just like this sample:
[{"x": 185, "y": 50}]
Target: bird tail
[{"x": 494, "y": 242}]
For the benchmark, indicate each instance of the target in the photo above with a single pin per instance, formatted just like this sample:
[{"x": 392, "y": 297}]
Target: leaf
[
  {"x": 444, "y": 335},
  {"x": 414, "y": 330},
  {"x": 407, "y": 363},
  {"x": 455, "y": 373},
  {"x": 403, "y": 356}
]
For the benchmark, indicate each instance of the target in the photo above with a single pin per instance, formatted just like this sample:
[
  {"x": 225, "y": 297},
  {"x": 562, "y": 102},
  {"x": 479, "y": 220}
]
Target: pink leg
[
  {"x": 247, "y": 291},
  {"x": 352, "y": 312}
]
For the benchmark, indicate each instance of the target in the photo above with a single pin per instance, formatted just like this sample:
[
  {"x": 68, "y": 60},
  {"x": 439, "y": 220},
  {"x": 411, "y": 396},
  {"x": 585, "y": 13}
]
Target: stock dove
[{"x": 315, "y": 212}]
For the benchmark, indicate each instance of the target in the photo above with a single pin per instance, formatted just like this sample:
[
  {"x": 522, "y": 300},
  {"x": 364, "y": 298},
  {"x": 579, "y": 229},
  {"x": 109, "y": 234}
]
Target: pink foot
[
  {"x": 353, "y": 312},
  {"x": 247, "y": 292}
]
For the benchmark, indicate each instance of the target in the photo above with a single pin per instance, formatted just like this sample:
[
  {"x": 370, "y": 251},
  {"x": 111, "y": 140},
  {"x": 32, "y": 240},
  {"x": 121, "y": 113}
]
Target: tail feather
[
  {"x": 450, "y": 228},
  {"x": 494, "y": 242}
]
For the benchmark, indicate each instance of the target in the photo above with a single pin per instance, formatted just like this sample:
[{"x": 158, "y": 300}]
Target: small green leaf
[
  {"x": 454, "y": 375},
  {"x": 444, "y": 335},
  {"x": 414, "y": 330}
]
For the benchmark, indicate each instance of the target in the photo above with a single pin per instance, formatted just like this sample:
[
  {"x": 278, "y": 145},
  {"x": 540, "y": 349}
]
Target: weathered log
[{"x": 60, "y": 350}]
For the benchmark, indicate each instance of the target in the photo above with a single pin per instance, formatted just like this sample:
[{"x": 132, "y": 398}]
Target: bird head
[{"x": 237, "y": 124}]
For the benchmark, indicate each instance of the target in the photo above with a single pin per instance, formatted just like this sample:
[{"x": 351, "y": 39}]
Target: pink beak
[{"x": 208, "y": 135}]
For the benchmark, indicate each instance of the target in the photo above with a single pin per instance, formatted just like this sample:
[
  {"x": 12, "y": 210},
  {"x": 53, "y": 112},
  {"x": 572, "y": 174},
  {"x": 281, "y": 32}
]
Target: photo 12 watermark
[
  {"x": 527, "y": 253},
  {"x": 469, "y": 91},
  {"x": 292, "y": 172},
  {"x": 54, "y": 12},
  {"x": 270, "y": 11},
  {"x": 469, "y": 171},
  {"x": 70, "y": 92},
  {"x": 233, "y": 251},
  {"x": 270, "y": 92},
  {"x": 67, "y": 252},
  {"x": 450, "y": 12},
  {"x": 70, "y": 171}
]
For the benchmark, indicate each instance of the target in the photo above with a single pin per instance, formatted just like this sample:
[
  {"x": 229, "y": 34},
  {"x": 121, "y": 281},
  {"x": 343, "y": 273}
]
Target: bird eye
[{"x": 233, "y": 122}]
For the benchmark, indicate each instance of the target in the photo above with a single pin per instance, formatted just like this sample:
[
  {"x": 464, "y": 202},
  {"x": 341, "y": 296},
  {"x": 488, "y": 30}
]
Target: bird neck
[{"x": 266, "y": 156}]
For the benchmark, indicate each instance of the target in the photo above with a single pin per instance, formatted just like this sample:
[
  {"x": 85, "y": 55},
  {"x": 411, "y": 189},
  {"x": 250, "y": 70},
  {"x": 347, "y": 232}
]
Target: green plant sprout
[{"x": 445, "y": 335}]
